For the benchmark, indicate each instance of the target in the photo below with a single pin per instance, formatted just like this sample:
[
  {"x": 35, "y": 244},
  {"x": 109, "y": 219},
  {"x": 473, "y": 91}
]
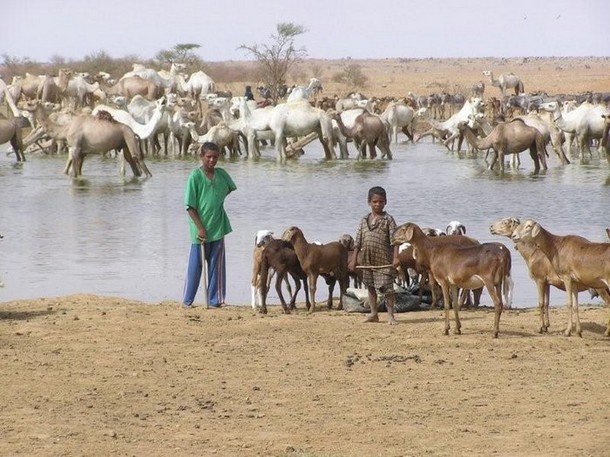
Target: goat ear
[
  {"x": 535, "y": 229},
  {"x": 463, "y": 228},
  {"x": 409, "y": 233}
]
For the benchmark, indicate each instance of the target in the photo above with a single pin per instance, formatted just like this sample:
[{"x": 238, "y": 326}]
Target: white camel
[
  {"x": 447, "y": 131},
  {"x": 303, "y": 93},
  {"x": 298, "y": 119},
  {"x": 78, "y": 89},
  {"x": 142, "y": 130},
  {"x": 253, "y": 123},
  {"x": 506, "y": 81},
  {"x": 400, "y": 117},
  {"x": 585, "y": 122},
  {"x": 167, "y": 83}
]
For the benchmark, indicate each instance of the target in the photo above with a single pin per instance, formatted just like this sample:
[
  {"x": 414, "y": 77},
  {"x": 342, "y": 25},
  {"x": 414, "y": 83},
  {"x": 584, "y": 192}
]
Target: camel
[
  {"x": 143, "y": 131},
  {"x": 51, "y": 89},
  {"x": 368, "y": 130},
  {"x": 298, "y": 119},
  {"x": 130, "y": 87},
  {"x": 509, "y": 138},
  {"x": 98, "y": 134},
  {"x": 55, "y": 128},
  {"x": 506, "y": 81},
  {"x": 79, "y": 88},
  {"x": 303, "y": 93},
  {"x": 198, "y": 84},
  {"x": 165, "y": 83},
  {"x": 549, "y": 132},
  {"x": 253, "y": 123},
  {"x": 478, "y": 89},
  {"x": 447, "y": 131},
  {"x": 10, "y": 130},
  {"x": 400, "y": 117},
  {"x": 585, "y": 122}
]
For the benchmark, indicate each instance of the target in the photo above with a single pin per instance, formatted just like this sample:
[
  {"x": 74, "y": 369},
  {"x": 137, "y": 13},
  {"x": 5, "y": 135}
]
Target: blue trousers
[{"x": 217, "y": 277}]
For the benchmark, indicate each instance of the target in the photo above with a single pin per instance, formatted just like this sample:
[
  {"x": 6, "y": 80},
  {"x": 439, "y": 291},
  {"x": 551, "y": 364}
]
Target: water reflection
[{"x": 114, "y": 235}]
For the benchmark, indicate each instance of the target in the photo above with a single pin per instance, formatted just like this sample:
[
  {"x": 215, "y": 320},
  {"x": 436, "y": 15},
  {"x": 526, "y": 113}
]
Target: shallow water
[{"x": 128, "y": 237}]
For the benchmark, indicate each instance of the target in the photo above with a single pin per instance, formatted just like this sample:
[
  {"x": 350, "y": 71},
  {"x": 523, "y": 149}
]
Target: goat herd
[{"x": 447, "y": 259}]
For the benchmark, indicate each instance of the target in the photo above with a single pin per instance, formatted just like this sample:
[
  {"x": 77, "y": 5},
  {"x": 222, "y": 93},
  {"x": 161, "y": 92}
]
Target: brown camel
[
  {"x": 509, "y": 138},
  {"x": 57, "y": 132},
  {"x": 132, "y": 86},
  {"x": 368, "y": 130},
  {"x": 98, "y": 134},
  {"x": 10, "y": 130},
  {"x": 51, "y": 89}
]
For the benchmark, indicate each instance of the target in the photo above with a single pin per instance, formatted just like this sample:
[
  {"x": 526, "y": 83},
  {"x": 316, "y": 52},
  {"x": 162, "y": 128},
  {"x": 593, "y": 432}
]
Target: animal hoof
[{"x": 446, "y": 331}]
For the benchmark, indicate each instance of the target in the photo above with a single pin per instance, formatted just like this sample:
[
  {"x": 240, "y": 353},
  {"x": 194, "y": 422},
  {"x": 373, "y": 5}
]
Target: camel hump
[{"x": 103, "y": 115}]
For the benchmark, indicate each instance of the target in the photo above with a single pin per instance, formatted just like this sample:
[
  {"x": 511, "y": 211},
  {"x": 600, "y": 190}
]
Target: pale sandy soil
[
  {"x": 85, "y": 375},
  {"x": 397, "y": 77}
]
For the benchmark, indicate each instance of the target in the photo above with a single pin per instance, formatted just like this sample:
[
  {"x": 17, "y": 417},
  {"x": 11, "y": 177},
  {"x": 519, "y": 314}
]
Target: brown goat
[
  {"x": 540, "y": 269},
  {"x": 574, "y": 258},
  {"x": 329, "y": 260},
  {"x": 356, "y": 276},
  {"x": 467, "y": 267},
  {"x": 421, "y": 266},
  {"x": 279, "y": 255}
]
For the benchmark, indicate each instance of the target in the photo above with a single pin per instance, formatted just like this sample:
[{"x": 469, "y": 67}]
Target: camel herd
[{"x": 148, "y": 111}]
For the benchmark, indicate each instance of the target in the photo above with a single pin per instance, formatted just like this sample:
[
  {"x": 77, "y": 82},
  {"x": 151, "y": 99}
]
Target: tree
[
  {"x": 182, "y": 52},
  {"x": 277, "y": 58},
  {"x": 352, "y": 76}
]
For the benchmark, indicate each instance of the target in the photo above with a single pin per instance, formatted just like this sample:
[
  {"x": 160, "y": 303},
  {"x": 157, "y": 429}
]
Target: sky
[{"x": 360, "y": 29}]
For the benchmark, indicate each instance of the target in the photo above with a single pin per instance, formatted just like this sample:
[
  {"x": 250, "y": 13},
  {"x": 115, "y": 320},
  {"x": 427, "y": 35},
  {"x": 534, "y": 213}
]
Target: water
[{"x": 128, "y": 237}]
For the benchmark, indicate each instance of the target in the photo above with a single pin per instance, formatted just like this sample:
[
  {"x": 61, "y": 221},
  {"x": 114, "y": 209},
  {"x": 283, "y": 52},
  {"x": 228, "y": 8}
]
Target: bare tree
[{"x": 277, "y": 58}]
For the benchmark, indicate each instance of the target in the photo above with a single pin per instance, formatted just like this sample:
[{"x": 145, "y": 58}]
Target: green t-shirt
[{"x": 207, "y": 197}]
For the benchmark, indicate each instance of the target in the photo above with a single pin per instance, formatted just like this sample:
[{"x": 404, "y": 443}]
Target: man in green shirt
[{"x": 204, "y": 195}]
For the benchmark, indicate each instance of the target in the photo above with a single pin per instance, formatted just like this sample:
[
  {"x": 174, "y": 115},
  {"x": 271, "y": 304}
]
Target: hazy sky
[{"x": 40, "y": 29}]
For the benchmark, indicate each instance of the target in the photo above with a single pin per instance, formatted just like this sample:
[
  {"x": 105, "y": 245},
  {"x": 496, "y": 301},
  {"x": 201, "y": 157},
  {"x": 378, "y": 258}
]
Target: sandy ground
[{"x": 86, "y": 375}]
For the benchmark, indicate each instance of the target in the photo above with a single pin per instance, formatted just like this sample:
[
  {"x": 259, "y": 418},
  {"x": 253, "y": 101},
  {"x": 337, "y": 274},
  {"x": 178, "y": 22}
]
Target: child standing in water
[{"x": 373, "y": 240}]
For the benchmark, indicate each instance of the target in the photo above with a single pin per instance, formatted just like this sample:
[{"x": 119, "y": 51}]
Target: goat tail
[{"x": 507, "y": 290}]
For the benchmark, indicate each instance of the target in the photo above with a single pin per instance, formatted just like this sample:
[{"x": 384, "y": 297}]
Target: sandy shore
[{"x": 87, "y": 375}]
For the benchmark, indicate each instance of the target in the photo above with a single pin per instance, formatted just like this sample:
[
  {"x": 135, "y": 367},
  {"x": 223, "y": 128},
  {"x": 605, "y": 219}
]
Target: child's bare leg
[
  {"x": 372, "y": 317},
  {"x": 390, "y": 300}
]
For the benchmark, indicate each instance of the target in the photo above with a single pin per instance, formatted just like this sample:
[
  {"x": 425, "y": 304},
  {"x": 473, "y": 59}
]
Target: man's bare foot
[
  {"x": 392, "y": 321},
  {"x": 372, "y": 318}
]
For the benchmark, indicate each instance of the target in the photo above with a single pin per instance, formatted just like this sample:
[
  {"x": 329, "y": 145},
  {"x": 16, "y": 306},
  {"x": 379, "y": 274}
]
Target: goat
[
  {"x": 456, "y": 267},
  {"x": 280, "y": 256},
  {"x": 327, "y": 259},
  {"x": 540, "y": 269},
  {"x": 455, "y": 228},
  {"x": 574, "y": 258},
  {"x": 408, "y": 259},
  {"x": 261, "y": 239},
  {"x": 356, "y": 276}
]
